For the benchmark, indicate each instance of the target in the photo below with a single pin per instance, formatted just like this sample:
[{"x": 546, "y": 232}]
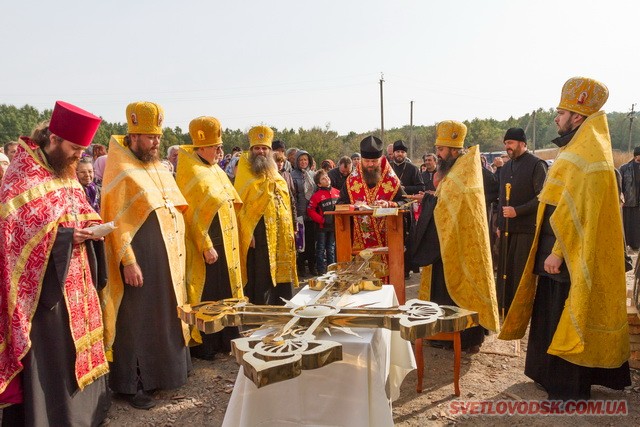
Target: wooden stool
[{"x": 457, "y": 350}]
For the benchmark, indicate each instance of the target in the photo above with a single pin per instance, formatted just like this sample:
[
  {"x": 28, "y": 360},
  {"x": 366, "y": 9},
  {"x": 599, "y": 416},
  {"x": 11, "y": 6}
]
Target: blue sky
[{"x": 303, "y": 64}]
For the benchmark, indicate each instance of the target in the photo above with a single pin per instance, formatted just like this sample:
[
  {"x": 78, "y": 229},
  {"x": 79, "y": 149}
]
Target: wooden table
[{"x": 395, "y": 245}]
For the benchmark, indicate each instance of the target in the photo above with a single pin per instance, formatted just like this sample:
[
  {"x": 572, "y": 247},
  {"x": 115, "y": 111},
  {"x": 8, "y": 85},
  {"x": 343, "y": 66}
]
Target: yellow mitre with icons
[
  {"x": 260, "y": 135},
  {"x": 450, "y": 133},
  {"x": 205, "y": 131},
  {"x": 583, "y": 95},
  {"x": 144, "y": 118}
]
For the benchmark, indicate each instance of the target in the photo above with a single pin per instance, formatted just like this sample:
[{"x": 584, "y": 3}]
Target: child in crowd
[{"x": 323, "y": 200}]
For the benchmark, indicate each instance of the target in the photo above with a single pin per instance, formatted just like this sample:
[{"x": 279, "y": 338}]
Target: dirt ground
[{"x": 495, "y": 373}]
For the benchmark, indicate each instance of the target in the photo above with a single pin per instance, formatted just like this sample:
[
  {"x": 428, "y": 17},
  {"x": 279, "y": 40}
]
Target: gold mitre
[
  {"x": 450, "y": 133},
  {"x": 583, "y": 95},
  {"x": 205, "y": 131},
  {"x": 144, "y": 118},
  {"x": 260, "y": 135}
]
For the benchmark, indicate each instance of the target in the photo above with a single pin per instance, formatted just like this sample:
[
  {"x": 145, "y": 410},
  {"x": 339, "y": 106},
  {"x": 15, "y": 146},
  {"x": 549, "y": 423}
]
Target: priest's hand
[
  {"x": 509, "y": 212},
  {"x": 210, "y": 256},
  {"x": 552, "y": 264},
  {"x": 385, "y": 204},
  {"x": 80, "y": 235},
  {"x": 133, "y": 275},
  {"x": 417, "y": 197}
]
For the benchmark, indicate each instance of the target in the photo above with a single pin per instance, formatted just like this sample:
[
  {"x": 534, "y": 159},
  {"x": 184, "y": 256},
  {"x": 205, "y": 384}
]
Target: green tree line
[{"x": 324, "y": 143}]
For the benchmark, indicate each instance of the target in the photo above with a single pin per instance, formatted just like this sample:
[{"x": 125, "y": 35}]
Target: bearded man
[
  {"x": 374, "y": 183},
  {"x": 52, "y": 357},
  {"x": 573, "y": 288},
  {"x": 144, "y": 339},
  {"x": 408, "y": 173},
  {"x": 525, "y": 173},
  {"x": 452, "y": 236},
  {"x": 213, "y": 253},
  {"x": 430, "y": 163},
  {"x": 267, "y": 247}
]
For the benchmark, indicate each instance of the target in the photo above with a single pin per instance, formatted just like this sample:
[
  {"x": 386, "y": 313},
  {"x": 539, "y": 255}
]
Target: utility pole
[
  {"x": 533, "y": 142},
  {"x": 411, "y": 132},
  {"x": 631, "y": 116},
  {"x": 532, "y": 120},
  {"x": 381, "y": 109}
]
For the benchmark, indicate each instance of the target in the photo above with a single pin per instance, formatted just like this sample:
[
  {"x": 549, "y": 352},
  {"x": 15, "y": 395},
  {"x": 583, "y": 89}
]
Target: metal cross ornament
[{"x": 292, "y": 344}]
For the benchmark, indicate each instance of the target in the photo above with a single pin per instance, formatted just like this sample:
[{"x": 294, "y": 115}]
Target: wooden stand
[
  {"x": 395, "y": 245},
  {"x": 457, "y": 352}
]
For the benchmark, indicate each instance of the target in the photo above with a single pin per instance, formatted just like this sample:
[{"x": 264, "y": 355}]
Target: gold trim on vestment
[
  {"x": 130, "y": 194},
  {"x": 461, "y": 220},
  {"x": 581, "y": 185}
]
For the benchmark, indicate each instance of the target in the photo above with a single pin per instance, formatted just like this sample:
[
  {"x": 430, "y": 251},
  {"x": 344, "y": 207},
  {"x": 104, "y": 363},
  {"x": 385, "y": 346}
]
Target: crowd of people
[{"x": 516, "y": 242}]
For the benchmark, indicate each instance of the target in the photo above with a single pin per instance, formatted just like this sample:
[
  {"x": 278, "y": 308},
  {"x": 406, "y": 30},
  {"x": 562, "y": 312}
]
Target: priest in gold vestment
[
  {"x": 452, "y": 236},
  {"x": 213, "y": 249},
  {"x": 145, "y": 341},
  {"x": 267, "y": 247},
  {"x": 573, "y": 288}
]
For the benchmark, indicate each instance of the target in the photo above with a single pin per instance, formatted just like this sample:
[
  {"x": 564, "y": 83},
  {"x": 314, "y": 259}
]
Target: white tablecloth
[{"x": 356, "y": 391}]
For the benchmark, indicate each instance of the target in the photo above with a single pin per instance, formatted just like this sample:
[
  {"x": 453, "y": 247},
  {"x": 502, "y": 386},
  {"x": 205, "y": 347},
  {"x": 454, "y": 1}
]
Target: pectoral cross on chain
[{"x": 168, "y": 203}]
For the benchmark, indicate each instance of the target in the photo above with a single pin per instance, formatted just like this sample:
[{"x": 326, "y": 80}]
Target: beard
[
  {"x": 372, "y": 176},
  {"x": 445, "y": 165},
  {"x": 63, "y": 166},
  {"x": 398, "y": 160},
  {"x": 145, "y": 156},
  {"x": 565, "y": 129},
  {"x": 262, "y": 165}
]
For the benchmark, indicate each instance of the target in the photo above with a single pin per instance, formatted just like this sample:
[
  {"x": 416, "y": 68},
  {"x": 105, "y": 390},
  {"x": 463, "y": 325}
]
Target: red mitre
[{"x": 73, "y": 124}]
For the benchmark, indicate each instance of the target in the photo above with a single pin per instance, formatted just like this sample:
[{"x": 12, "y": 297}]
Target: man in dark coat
[
  {"x": 526, "y": 174},
  {"x": 631, "y": 209},
  {"x": 431, "y": 163},
  {"x": 411, "y": 182},
  {"x": 409, "y": 174},
  {"x": 339, "y": 174}
]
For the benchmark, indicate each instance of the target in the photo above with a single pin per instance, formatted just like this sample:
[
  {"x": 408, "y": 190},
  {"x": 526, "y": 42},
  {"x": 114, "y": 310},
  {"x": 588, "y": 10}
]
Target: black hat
[
  {"x": 636, "y": 151},
  {"x": 277, "y": 145},
  {"x": 399, "y": 145},
  {"x": 371, "y": 148},
  {"x": 515, "y": 134}
]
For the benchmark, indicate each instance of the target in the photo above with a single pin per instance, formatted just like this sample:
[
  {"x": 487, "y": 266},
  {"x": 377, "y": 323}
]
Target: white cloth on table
[{"x": 356, "y": 391}]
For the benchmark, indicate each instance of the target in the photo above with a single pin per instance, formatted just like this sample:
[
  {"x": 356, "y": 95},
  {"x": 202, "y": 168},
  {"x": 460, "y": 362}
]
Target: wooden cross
[{"x": 293, "y": 345}]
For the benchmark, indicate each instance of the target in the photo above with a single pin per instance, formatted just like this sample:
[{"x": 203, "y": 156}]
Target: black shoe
[
  {"x": 142, "y": 400},
  {"x": 474, "y": 349}
]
